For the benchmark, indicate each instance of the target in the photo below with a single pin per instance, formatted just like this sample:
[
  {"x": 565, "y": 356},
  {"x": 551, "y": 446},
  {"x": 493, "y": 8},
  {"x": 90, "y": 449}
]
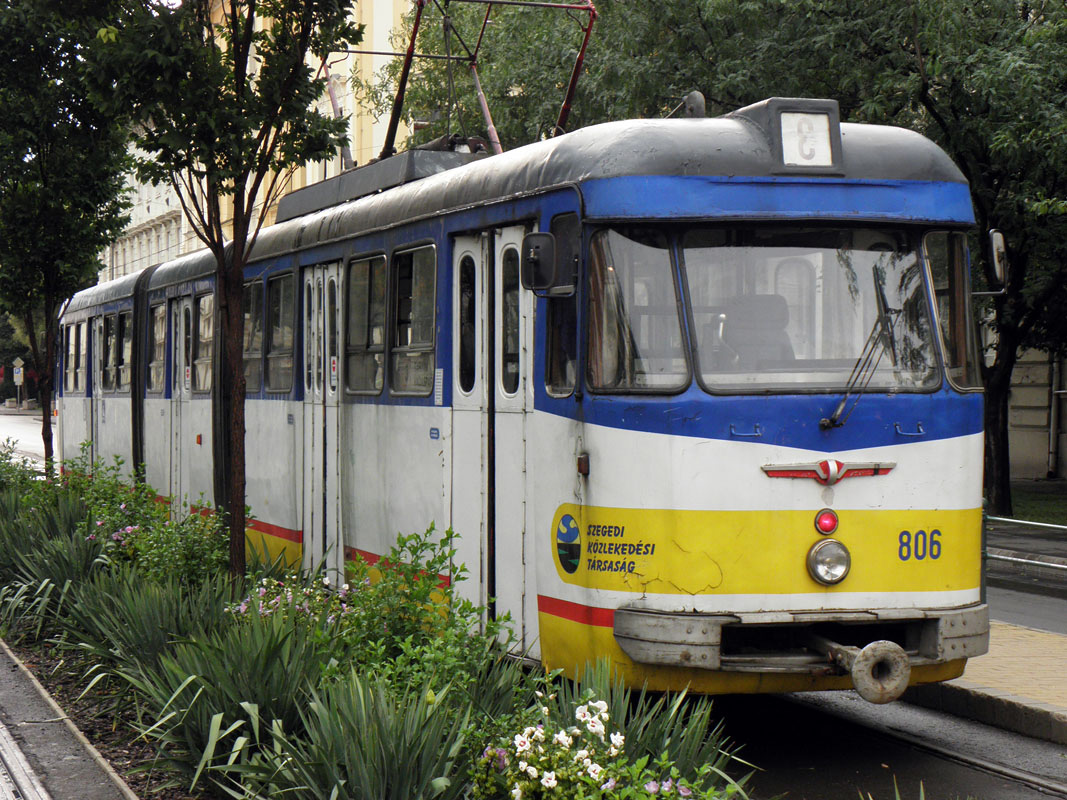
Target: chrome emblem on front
[{"x": 830, "y": 471}]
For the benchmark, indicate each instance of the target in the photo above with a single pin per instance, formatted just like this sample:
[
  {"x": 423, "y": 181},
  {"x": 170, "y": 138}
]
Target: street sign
[{"x": 18, "y": 376}]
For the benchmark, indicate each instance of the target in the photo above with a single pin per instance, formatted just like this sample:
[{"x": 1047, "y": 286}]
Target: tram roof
[{"x": 735, "y": 146}]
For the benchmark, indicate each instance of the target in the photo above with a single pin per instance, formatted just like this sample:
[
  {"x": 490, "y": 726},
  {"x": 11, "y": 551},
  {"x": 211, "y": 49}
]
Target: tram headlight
[{"x": 829, "y": 561}]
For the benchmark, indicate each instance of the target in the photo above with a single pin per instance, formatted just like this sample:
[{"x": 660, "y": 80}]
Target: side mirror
[
  {"x": 999, "y": 253},
  {"x": 538, "y": 264}
]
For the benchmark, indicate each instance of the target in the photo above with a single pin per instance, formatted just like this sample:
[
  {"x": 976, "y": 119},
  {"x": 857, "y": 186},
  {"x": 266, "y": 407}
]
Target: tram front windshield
[{"x": 771, "y": 308}]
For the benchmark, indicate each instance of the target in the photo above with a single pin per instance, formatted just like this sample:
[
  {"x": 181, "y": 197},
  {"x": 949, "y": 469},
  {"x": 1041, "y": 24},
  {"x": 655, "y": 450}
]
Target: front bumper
[{"x": 774, "y": 641}]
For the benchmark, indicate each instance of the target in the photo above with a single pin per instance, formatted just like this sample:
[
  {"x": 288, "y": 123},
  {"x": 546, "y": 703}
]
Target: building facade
[{"x": 158, "y": 230}]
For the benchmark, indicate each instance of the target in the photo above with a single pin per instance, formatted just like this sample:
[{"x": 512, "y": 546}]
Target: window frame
[
  {"x": 150, "y": 359},
  {"x": 248, "y": 354},
  {"x": 198, "y": 359},
  {"x": 393, "y": 299},
  {"x": 273, "y": 355}
]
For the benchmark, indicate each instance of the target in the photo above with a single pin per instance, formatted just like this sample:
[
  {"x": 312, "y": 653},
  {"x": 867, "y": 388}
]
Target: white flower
[
  {"x": 581, "y": 713},
  {"x": 562, "y": 739},
  {"x": 517, "y": 792},
  {"x": 600, "y": 706},
  {"x": 613, "y": 751},
  {"x": 581, "y": 754},
  {"x": 617, "y": 739},
  {"x": 539, "y": 694},
  {"x": 522, "y": 766},
  {"x": 549, "y": 781},
  {"x": 522, "y": 743},
  {"x": 539, "y": 734},
  {"x": 594, "y": 771},
  {"x": 544, "y": 710},
  {"x": 596, "y": 727},
  {"x": 532, "y": 772}
]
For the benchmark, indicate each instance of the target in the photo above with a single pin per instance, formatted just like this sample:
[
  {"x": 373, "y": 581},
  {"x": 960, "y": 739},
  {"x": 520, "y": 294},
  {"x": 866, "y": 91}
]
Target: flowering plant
[{"x": 584, "y": 761}]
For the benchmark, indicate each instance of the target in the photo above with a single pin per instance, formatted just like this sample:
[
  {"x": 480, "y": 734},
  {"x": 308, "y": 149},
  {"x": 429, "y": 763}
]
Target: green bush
[
  {"x": 199, "y": 690},
  {"x": 189, "y": 550}
]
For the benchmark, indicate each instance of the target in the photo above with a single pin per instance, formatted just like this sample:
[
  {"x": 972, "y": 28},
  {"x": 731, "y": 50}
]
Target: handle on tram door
[
  {"x": 583, "y": 464},
  {"x": 918, "y": 430},
  {"x": 757, "y": 431}
]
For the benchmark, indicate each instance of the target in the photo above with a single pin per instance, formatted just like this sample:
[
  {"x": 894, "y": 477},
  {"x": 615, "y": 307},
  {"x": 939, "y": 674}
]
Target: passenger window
[
  {"x": 412, "y": 357},
  {"x": 124, "y": 359},
  {"x": 107, "y": 353},
  {"x": 635, "y": 339},
  {"x": 365, "y": 344},
  {"x": 202, "y": 343},
  {"x": 70, "y": 359},
  {"x": 561, "y": 319},
  {"x": 280, "y": 300},
  {"x": 509, "y": 351},
  {"x": 252, "y": 300},
  {"x": 468, "y": 323},
  {"x": 309, "y": 340},
  {"x": 157, "y": 347},
  {"x": 80, "y": 379},
  {"x": 331, "y": 334}
]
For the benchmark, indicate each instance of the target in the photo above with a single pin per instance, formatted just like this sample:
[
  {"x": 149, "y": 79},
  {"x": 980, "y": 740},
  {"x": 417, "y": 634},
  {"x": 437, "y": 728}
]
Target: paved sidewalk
[
  {"x": 56, "y": 752},
  {"x": 1019, "y": 685}
]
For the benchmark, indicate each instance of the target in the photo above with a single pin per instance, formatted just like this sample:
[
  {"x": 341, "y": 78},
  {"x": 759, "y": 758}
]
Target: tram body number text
[{"x": 919, "y": 545}]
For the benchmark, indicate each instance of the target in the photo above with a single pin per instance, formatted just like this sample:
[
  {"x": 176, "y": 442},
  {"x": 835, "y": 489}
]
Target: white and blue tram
[{"x": 698, "y": 395}]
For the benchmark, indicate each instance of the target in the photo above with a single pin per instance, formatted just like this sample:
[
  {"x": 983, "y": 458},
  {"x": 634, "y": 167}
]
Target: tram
[{"x": 700, "y": 396}]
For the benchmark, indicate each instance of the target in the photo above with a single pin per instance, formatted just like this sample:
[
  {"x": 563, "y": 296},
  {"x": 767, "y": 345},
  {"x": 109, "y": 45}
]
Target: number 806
[{"x": 919, "y": 545}]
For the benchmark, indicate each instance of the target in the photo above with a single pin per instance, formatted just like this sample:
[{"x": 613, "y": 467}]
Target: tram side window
[
  {"x": 635, "y": 338},
  {"x": 157, "y": 347},
  {"x": 412, "y": 356},
  {"x": 468, "y": 323},
  {"x": 81, "y": 375},
  {"x": 280, "y": 299},
  {"x": 202, "y": 342},
  {"x": 253, "y": 335},
  {"x": 124, "y": 355},
  {"x": 510, "y": 334},
  {"x": 107, "y": 353},
  {"x": 365, "y": 342},
  {"x": 561, "y": 322},
  {"x": 70, "y": 360},
  {"x": 947, "y": 255}
]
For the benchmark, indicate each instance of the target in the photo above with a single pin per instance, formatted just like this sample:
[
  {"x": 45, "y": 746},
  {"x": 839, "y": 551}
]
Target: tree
[
  {"x": 221, "y": 98},
  {"x": 62, "y": 162},
  {"x": 986, "y": 79}
]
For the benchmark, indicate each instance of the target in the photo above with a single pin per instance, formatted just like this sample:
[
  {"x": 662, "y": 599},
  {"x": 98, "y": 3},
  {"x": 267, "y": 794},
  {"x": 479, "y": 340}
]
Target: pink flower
[
  {"x": 652, "y": 787},
  {"x": 684, "y": 790}
]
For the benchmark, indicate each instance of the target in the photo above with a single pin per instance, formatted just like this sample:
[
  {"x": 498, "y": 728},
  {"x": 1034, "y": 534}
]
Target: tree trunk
[
  {"x": 232, "y": 411},
  {"x": 997, "y": 462}
]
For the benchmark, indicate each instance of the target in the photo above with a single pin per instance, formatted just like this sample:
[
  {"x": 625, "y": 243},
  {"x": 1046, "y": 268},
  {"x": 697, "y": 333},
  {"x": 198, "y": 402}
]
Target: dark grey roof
[{"x": 724, "y": 146}]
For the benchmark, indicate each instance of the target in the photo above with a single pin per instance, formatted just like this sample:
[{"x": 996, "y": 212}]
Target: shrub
[
  {"x": 189, "y": 550},
  {"x": 199, "y": 691},
  {"x": 363, "y": 740}
]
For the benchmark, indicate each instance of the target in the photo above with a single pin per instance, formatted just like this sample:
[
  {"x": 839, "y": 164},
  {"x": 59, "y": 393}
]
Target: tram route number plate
[{"x": 919, "y": 545}]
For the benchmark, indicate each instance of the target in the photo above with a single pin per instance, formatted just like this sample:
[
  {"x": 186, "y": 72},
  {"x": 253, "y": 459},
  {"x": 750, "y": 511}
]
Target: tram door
[
  {"x": 96, "y": 400},
  {"x": 181, "y": 383},
  {"x": 490, "y": 401},
  {"x": 323, "y": 539}
]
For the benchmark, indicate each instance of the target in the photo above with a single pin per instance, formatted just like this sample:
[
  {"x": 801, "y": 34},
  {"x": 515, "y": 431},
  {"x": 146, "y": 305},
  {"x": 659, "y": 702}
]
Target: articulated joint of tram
[{"x": 876, "y": 648}]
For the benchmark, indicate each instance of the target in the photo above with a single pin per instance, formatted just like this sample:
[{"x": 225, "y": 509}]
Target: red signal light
[{"x": 826, "y": 521}]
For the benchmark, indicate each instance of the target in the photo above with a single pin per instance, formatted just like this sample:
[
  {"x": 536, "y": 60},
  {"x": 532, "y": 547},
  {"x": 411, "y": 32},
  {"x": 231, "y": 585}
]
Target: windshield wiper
[{"x": 879, "y": 342}]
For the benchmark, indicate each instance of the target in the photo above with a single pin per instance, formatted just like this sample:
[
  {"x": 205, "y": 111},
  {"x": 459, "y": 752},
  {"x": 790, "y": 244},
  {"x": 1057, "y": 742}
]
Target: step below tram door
[
  {"x": 492, "y": 318},
  {"x": 323, "y": 539}
]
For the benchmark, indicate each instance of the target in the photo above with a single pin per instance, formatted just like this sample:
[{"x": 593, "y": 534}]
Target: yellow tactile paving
[{"x": 1024, "y": 662}]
